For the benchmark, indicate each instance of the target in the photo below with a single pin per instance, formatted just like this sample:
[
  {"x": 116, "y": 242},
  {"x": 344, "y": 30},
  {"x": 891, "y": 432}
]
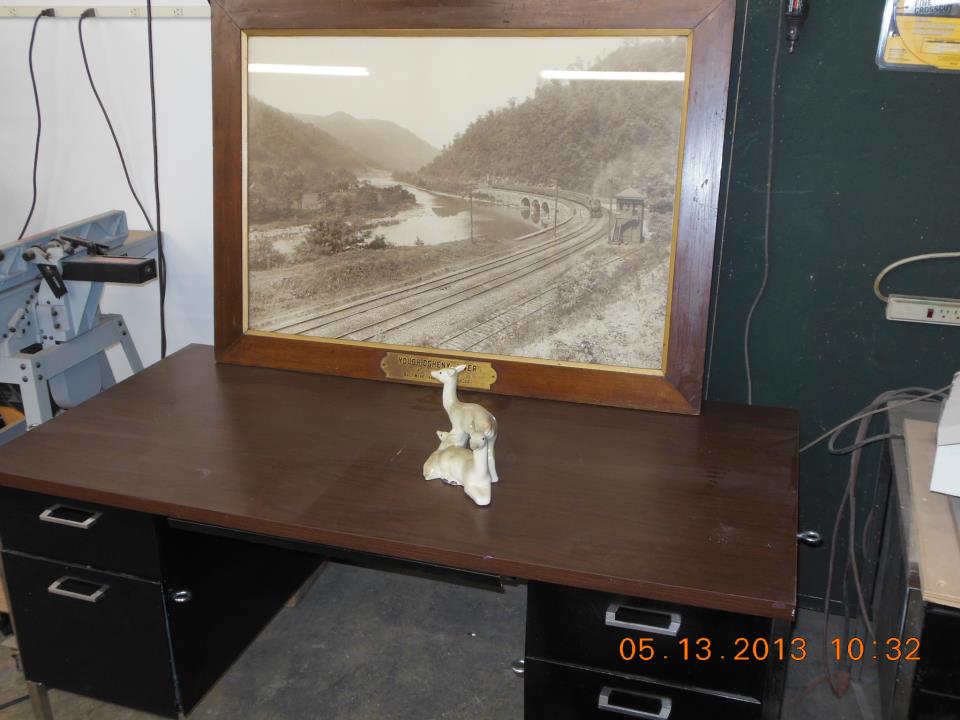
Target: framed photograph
[{"x": 528, "y": 189}]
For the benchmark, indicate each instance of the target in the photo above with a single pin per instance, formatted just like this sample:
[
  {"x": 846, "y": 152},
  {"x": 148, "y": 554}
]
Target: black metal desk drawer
[
  {"x": 79, "y": 532},
  {"x": 583, "y": 627},
  {"x": 93, "y": 633},
  {"x": 553, "y": 691}
]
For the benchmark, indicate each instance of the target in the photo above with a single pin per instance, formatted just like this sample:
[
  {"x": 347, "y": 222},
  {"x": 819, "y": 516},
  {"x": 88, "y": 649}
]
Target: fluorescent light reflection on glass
[
  {"x": 338, "y": 70},
  {"x": 611, "y": 75}
]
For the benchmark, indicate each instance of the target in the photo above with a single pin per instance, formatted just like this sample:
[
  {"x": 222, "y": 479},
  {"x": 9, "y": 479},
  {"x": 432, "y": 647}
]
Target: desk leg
[
  {"x": 776, "y": 672},
  {"x": 39, "y": 701},
  {"x": 305, "y": 588}
]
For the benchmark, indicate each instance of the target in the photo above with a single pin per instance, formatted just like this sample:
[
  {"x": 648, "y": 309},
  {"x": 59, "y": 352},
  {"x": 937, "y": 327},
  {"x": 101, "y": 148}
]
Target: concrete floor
[{"x": 371, "y": 645}]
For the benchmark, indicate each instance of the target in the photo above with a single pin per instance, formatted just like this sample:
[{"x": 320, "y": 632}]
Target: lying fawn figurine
[
  {"x": 468, "y": 419},
  {"x": 456, "y": 465}
]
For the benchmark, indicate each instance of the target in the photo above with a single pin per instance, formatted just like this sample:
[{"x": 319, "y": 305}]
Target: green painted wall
[{"x": 867, "y": 170}]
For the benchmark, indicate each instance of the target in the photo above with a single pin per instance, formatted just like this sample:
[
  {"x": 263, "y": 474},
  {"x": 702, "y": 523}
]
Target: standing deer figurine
[
  {"x": 456, "y": 465},
  {"x": 469, "y": 418}
]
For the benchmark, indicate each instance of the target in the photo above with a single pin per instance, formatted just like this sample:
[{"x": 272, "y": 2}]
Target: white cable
[
  {"x": 906, "y": 261},
  {"x": 769, "y": 208},
  {"x": 881, "y": 409}
]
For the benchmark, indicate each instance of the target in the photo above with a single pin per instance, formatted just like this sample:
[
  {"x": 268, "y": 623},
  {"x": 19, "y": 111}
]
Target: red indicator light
[{"x": 929, "y": 313}]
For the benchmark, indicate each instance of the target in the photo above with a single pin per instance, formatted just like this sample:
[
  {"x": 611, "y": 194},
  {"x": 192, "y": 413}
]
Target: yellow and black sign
[
  {"x": 920, "y": 35},
  {"x": 417, "y": 368}
]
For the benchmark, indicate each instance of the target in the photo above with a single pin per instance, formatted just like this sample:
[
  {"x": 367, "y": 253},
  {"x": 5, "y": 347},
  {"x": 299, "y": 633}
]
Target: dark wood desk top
[{"x": 699, "y": 510}]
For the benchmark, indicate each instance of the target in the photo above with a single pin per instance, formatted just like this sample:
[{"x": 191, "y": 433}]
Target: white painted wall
[{"x": 80, "y": 174}]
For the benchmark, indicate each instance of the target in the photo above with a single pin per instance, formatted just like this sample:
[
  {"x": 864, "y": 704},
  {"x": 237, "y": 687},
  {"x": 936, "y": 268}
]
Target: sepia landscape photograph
[{"x": 508, "y": 195}]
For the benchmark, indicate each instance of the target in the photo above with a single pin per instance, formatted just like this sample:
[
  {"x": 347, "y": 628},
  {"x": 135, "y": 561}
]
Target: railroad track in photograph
[
  {"x": 471, "y": 337},
  {"x": 323, "y": 317},
  {"x": 373, "y": 317},
  {"x": 380, "y": 330}
]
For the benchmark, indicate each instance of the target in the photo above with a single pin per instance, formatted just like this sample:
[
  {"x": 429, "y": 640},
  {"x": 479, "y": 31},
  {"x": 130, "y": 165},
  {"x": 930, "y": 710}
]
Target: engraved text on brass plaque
[{"x": 404, "y": 366}]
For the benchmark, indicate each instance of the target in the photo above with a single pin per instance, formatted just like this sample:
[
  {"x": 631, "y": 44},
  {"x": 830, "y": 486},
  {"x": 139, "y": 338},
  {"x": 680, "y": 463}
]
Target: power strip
[
  {"x": 107, "y": 11},
  {"x": 934, "y": 311}
]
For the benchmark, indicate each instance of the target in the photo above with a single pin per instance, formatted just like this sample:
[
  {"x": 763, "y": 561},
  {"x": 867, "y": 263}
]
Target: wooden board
[
  {"x": 937, "y": 533},
  {"x": 699, "y": 510},
  {"x": 4, "y": 603}
]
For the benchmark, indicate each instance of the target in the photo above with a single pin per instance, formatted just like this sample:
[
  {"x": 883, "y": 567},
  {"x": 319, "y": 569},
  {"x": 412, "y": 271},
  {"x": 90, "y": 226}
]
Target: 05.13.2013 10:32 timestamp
[{"x": 702, "y": 649}]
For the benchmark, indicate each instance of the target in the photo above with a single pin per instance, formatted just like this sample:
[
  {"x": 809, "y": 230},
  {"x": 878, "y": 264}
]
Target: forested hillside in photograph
[
  {"x": 382, "y": 143},
  {"x": 586, "y": 136},
  {"x": 289, "y": 158}
]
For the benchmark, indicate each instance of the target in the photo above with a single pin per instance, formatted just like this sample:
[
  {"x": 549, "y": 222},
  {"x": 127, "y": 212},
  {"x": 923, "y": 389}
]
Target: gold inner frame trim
[{"x": 471, "y": 32}]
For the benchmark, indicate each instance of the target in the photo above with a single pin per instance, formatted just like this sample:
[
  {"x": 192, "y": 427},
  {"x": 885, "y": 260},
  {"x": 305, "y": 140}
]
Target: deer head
[{"x": 447, "y": 374}]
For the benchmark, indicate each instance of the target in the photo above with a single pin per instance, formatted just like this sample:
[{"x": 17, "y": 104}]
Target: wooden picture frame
[{"x": 676, "y": 386}]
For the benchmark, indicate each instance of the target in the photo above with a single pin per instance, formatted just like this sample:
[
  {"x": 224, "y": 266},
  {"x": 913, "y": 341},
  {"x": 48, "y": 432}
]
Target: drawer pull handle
[
  {"x": 71, "y": 517},
  {"x": 639, "y": 617},
  {"x": 643, "y": 704},
  {"x": 76, "y": 589}
]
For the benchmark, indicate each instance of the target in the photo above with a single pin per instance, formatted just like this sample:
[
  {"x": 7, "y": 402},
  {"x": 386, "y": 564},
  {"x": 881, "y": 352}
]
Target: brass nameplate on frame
[{"x": 417, "y": 368}]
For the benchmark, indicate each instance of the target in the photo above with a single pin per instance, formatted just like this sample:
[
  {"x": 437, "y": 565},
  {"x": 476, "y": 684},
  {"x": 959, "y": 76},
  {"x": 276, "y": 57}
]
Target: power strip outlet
[
  {"x": 108, "y": 11},
  {"x": 934, "y": 311}
]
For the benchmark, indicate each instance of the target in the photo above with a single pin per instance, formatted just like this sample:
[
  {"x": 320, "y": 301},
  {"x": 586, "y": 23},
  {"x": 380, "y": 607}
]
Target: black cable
[
  {"x": 15, "y": 701},
  {"x": 161, "y": 260},
  {"x": 36, "y": 100},
  {"x": 89, "y": 12}
]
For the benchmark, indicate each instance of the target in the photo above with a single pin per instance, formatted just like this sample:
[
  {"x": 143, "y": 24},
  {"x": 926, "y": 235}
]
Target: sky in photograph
[{"x": 433, "y": 86}]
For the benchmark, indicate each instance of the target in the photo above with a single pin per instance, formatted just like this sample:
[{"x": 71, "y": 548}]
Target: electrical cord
[
  {"x": 726, "y": 199},
  {"x": 861, "y": 444},
  {"x": 769, "y": 207},
  {"x": 907, "y": 261},
  {"x": 48, "y": 12},
  {"x": 161, "y": 259},
  {"x": 839, "y": 679},
  {"x": 15, "y": 701},
  {"x": 90, "y": 12},
  {"x": 871, "y": 410}
]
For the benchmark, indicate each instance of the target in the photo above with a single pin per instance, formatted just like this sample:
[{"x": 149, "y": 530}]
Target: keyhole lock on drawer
[{"x": 181, "y": 596}]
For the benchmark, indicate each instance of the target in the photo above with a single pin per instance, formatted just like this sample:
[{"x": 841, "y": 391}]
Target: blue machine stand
[{"x": 53, "y": 336}]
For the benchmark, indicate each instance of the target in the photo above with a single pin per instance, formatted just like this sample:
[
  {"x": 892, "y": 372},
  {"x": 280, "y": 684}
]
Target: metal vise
[{"x": 53, "y": 336}]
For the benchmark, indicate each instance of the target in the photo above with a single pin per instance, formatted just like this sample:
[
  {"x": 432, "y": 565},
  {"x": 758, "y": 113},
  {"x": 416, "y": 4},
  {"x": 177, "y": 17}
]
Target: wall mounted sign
[
  {"x": 529, "y": 189},
  {"x": 920, "y": 35}
]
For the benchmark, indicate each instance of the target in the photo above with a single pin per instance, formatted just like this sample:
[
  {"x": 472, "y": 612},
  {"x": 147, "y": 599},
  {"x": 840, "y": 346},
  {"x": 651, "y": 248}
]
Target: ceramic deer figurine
[
  {"x": 469, "y": 418},
  {"x": 456, "y": 465},
  {"x": 452, "y": 439},
  {"x": 448, "y": 466}
]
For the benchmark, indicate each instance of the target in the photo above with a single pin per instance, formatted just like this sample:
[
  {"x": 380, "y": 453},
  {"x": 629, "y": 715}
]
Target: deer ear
[{"x": 460, "y": 368}]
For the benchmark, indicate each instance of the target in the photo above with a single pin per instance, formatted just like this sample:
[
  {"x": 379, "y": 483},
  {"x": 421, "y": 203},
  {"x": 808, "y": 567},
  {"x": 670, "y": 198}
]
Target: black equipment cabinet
[{"x": 157, "y": 626}]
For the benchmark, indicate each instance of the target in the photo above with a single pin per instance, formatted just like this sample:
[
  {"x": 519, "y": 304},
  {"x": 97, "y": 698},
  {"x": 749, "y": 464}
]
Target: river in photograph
[{"x": 441, "y": 218}]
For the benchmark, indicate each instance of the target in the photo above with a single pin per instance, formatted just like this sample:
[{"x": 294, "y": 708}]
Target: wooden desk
[{"x": 697, "y": 513}]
